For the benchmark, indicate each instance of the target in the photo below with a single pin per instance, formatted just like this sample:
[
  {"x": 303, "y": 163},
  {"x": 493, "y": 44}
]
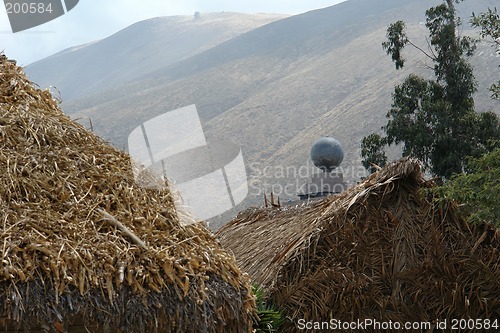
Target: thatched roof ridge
[
  {"x": 80, "y": 242},
  {"x": 295, "y": 229},
  {"x": 381, "y": 250}
]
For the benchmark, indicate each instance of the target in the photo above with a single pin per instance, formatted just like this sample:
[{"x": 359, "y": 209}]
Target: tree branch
[{"x": 432, "y": 57}]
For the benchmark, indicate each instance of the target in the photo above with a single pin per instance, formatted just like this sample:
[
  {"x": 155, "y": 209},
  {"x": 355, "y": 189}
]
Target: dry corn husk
[{"x": 80, "y": 241}]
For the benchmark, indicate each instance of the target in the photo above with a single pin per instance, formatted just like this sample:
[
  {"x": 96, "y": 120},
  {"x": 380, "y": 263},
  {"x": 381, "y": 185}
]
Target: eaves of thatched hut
[
  {"x": 382, "y": 250},
  {"x": 86, "y": 250}
]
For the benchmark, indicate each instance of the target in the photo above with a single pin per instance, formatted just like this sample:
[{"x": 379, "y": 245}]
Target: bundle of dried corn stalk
[{"x": 77, "y": 234}]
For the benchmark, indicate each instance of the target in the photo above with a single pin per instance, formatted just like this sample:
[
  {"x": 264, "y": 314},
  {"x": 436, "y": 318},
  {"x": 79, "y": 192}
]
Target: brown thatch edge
[
  {"x": 382, "y": 250},
  {"x": 34, "y": 307}
]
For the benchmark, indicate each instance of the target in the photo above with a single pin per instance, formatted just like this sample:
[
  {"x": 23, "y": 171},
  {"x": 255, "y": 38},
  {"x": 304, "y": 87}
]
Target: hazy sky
[{"x": 96, "y": 19}]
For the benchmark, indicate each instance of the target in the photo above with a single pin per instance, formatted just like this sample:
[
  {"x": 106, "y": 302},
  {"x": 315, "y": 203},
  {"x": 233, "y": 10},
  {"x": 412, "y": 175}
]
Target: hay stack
[
  {"x": 81, "y": 245},
  {"x": 381, "y": 250}
]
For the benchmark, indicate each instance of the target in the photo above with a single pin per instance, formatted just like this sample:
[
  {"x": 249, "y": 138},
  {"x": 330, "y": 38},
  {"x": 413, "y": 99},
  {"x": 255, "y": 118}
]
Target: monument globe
[{"x": 327, "y": 153}]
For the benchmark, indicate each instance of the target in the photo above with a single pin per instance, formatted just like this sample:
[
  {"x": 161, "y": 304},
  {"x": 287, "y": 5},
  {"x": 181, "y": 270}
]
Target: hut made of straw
[
  {"x": 383, "y": 251},
  {"x": 86, "y": 250}
]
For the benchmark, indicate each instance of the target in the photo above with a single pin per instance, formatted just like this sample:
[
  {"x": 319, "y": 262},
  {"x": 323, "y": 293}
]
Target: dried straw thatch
[
  {"x": 382, "y": 250},
  {"x": 82, "y": 245}
]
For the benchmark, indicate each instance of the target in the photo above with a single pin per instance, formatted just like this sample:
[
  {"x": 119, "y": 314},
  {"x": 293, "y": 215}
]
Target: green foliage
[
  {"x": 495, "y": 90},
  {"x": 372, "y": 149},
  {"x": 396, "y": 41},
  {"x": 477, "y": 191},
  {"x": 434, "y": 119},
  {"x": 489, "y": 22},
  {"x": 432, "y": 130},
  {"x": 411, "y": 119},
  {"x": 270, "y": 319},
  {"x": 451, "y": 69}
]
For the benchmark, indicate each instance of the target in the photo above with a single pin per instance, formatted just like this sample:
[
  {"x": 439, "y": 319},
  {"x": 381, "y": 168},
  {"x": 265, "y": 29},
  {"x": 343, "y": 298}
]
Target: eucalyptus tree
[{"x": 435, "y": 119}]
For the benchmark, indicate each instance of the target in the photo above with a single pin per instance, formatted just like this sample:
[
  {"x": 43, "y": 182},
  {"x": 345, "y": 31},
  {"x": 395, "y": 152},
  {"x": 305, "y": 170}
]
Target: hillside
[
  {"x": 276, "y": 89},
  {"x": 140, "y": 48}
]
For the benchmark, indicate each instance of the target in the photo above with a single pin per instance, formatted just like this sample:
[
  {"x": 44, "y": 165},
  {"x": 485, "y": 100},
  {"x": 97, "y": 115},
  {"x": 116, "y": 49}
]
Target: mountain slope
[
  {"x": 278, "y": 88},
  {"x": 274, "y": 84},
  {"x": 138, "y": 49}
]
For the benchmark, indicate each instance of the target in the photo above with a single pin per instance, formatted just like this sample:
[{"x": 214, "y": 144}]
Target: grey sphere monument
[{"x": 327, "y": 154}]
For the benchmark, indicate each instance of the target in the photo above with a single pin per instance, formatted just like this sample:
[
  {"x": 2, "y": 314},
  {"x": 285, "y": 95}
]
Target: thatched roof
[
  {"x": 81, "y": 244},
  {"x": 381, "y": 250}
]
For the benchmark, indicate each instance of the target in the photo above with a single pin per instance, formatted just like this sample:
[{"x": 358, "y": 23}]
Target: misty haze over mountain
[
  {"x": 141, "y": 48},
  {"x": 271, "y": 84}
]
